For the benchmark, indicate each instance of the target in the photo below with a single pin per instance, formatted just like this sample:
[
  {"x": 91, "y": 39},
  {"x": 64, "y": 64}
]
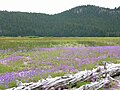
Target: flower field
[{"x": 30, "y": 60}]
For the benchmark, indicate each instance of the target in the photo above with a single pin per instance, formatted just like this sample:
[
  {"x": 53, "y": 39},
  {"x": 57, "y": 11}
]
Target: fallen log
[
  {"x": 95, "y": 75},
  {"x": 107, "y": 82}
]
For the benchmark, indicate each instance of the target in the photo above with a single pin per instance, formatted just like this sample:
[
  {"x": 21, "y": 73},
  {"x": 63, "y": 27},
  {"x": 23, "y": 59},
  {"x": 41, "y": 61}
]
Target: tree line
[{"x": 82, "y": 21}]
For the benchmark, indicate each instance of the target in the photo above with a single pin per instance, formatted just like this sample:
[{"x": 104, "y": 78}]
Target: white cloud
[{"x": 52, "y": 6}]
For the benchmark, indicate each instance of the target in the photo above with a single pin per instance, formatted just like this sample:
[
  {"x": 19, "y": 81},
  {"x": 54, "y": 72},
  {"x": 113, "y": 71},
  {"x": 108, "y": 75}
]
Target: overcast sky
[{"x": 52, "y": 6}]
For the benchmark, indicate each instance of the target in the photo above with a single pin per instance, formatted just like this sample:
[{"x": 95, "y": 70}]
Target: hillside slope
[{"x": 79, "y": 21}]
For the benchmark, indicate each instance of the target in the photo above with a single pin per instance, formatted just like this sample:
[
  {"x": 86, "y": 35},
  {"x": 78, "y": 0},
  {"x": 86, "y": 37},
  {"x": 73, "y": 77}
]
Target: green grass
[
  {"x": 77, "y": 85},
  {"x": 2, "y": 88},
  {"x": 81, "y": 84},
  {"x": 17, "y": 65},
  {"x": 57, "y": 74},
  {"x": 100, "y": 62},
  {"x": 4, "y": 69},
  {"x": 12, "y": 84},
  {"x": 28, "y": 43}
]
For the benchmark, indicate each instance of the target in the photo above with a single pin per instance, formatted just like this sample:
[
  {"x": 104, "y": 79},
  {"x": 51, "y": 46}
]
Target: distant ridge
[{"x": 81, "y": 21}]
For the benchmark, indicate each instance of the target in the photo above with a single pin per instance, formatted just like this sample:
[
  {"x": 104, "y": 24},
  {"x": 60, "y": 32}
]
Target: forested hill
[{"x": 79, "y": 21}]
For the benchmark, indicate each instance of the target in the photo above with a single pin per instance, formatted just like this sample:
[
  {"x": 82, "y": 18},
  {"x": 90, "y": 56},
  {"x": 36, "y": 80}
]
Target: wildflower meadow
[{"x": 31, "y": 59}]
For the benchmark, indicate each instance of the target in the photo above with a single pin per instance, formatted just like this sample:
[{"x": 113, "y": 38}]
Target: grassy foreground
[{"x": 30, "y": 59}]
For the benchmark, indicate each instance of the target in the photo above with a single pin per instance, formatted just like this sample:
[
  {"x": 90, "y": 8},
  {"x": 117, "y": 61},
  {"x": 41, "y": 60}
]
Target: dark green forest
[{"x": 81, "y": 21}]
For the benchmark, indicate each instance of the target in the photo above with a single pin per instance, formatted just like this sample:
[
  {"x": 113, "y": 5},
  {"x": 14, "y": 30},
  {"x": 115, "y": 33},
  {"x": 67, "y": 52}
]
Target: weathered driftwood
[
  {"x": 107, "y": 82},
  {"x": 110, "y": 70}
]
